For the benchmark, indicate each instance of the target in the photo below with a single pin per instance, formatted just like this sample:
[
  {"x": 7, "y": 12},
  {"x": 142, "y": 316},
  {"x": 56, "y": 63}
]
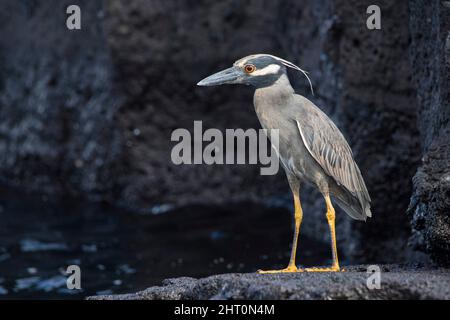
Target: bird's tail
[{"x": 354, "y": 208}]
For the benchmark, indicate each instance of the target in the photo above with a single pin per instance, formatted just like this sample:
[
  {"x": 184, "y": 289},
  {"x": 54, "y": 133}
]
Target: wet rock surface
[{"x": 397, "y": 282}]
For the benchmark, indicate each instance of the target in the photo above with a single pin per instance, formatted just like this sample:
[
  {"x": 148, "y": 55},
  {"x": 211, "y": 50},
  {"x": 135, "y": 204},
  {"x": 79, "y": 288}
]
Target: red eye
[{"x": 249, "y": 68}]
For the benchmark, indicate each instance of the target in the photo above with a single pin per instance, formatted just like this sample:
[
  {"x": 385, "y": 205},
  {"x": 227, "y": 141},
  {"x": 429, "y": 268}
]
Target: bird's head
[{"x": 259, "y": 70}]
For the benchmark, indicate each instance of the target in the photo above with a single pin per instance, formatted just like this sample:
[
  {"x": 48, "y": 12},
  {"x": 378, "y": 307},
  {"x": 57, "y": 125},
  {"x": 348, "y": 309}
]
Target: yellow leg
[
  {"x": 331, "y": 222},
  {"x": 298, "y": 215}
]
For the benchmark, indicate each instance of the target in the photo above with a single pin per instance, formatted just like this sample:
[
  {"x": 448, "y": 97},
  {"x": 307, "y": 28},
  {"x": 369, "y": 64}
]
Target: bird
[{"x": 311, "y": 148}]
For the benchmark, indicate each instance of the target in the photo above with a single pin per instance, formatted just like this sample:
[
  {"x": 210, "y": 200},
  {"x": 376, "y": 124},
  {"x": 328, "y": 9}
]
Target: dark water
[{"x": 120, "y": 251}]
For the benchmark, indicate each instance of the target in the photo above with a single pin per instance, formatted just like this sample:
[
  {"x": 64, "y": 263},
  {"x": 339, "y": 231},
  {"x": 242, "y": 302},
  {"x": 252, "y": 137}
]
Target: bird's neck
[{"x": 275, "y": 94}]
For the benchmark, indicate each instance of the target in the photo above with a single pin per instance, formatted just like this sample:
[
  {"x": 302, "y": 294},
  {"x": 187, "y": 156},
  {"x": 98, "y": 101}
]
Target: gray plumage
[{"x": 311, "y": 148}]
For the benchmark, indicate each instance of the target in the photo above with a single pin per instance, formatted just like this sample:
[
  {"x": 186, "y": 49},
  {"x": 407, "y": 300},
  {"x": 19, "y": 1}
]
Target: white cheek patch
[{"x": 270, "y": 69}]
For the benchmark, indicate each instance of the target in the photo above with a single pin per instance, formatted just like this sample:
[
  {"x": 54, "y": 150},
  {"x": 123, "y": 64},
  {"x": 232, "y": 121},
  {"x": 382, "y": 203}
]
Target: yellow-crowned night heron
[{"x": 311, "y": 147}]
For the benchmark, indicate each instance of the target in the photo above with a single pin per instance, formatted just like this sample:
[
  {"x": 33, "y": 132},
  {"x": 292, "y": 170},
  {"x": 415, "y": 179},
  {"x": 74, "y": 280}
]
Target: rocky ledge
[{"x": 396, "y": 282}]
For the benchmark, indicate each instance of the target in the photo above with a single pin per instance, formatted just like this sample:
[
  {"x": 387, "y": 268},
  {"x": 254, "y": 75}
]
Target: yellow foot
[
  {"x": 329, "y": 269},
  {"x": 285, "y": 270}
]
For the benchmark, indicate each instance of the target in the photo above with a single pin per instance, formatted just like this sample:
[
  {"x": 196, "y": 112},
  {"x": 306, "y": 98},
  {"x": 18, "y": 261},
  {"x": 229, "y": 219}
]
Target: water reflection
[{"x": 120, "y": 251}]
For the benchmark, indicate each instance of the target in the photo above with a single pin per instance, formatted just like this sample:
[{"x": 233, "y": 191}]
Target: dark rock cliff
[
  {"x": 90, "y": 112},
  {"x": 57, "y": 102},
  {"x": 376, "y": 108},
  {"x": 430, "y": 54}
]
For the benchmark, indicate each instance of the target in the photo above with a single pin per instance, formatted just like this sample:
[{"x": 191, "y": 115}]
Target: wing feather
[{"x": 328, "y": 147}]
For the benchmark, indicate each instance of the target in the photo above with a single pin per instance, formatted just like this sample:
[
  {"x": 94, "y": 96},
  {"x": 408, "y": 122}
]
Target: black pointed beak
[{"x": 227, "y": 76}]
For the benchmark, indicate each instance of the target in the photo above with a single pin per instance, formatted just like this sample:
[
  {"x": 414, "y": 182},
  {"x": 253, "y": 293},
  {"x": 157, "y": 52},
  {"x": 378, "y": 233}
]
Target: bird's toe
[
  {"x": 289, "y": 269},
  {"x": 322, "y": 269}
]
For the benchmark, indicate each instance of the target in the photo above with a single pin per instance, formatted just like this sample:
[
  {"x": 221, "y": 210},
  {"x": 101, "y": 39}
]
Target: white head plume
[
  {"x": 287, "y": 64},
  {"x": 293, "y": 66}
]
